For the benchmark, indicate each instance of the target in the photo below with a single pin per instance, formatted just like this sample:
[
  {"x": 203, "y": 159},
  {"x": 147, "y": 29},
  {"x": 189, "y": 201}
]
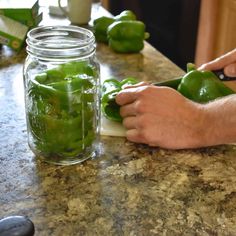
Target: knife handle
[{"x": 221, "y": 75}]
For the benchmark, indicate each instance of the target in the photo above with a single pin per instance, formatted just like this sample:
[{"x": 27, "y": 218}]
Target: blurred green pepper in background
[
  {"x": 123, "y": 33},
  {"x": 127, "y": 36},
  {"x": 101, "y": 24},
  {"x": 125, "y": 15}
]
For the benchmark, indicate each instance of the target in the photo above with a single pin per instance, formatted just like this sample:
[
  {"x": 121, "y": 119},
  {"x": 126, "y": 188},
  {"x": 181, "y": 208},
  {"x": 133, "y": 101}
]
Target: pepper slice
[{"x": 110, "y": 88}]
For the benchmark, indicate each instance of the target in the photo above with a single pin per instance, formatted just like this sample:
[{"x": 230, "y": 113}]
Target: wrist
[
  {"x": 209, "y": 126},
  {"x": 218, "y": 122},
  {"x": 204, "y": 127}
]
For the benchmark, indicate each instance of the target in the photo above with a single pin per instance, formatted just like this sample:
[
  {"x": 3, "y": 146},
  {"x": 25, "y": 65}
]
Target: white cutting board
[{"x": 111, "y": 128}]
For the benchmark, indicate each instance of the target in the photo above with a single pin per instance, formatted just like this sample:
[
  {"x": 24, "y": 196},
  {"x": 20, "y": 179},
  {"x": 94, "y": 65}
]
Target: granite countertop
[{"x": 127, "y": 189}]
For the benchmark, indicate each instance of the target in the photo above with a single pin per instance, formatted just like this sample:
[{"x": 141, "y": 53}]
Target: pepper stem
[
  {"x": 146, "y": 35},
  {"x": 190, "y": 66}
]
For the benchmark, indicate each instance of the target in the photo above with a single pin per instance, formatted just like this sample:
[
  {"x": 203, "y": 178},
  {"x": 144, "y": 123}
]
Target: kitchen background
[{"x": 185, "y": 30}]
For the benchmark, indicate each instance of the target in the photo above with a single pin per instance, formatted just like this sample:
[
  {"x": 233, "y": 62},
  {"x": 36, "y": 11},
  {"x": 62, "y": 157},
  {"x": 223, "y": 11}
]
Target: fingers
[
  {"x": 131, "y": 94},
  {"x": 126, "y": 96},
  {"x": 230, "y": 70},
  {"x": 221, "y": 62},
  {"x": 133, "y": 135},
  {"x": 133, "y": 132},
  {"x": 128, "y": 110},
  {"x": 130, "y": 122}
]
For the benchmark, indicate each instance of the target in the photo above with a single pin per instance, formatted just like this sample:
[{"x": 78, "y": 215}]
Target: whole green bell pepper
[
  {"x": 109, "y": 90},
  {"x": 101, "y": 24},
  {"x": 125, "y": 15},
  {"x": 202, "y": 86},
  {"x": 199, "y": 86},
  {"x": 127, "y": 36}
]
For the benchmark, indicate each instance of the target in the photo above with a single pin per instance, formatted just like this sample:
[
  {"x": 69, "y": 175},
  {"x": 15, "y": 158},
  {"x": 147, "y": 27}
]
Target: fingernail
[{"x": 202, "y": 67}]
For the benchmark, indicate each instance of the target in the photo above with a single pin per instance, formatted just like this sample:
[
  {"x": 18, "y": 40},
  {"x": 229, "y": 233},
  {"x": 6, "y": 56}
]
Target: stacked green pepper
[
  {"x": 101, "y": 24},
  {"x": 123, "y": 33},
  {"x": 60, "y": 109}
]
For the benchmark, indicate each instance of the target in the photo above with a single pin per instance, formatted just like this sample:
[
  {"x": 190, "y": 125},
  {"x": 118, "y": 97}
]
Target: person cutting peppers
[{"x": 162, "y": 116}]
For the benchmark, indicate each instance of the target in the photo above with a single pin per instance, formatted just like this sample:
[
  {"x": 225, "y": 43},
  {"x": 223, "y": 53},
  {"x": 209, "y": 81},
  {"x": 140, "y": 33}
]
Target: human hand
[
  {"x": 226, "y": 62},
  {"x": 160, "y": 116}
]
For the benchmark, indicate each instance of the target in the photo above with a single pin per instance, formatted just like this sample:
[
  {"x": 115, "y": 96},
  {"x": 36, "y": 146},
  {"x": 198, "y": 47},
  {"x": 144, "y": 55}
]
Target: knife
[
  {"x": 175, "y": 82},
  {"x": 221, "y": 75}
]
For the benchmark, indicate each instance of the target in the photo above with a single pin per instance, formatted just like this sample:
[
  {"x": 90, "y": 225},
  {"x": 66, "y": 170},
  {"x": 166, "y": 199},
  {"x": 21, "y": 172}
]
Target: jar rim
[
  {"x": 59, "y": 41},
  {"x": 34, "y": 34}
]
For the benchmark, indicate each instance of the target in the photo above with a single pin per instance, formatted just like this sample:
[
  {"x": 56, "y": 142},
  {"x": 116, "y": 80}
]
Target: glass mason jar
[{"x": 62, "y": 84}]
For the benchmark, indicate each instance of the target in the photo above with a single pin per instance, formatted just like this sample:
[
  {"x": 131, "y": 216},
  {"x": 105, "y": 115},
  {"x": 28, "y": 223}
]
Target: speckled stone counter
[{"x": 127, "y": 189}]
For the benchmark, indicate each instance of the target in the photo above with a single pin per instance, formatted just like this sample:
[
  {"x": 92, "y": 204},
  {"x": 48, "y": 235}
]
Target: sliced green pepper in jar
[{"x": 61, "y": 116}]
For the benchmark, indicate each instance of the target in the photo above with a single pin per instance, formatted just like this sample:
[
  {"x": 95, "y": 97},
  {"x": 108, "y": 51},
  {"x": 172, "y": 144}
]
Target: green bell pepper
[
  {"x": 125, "y": 15},
  {"x": 202, "y": 86},
  {"x": 109, "y": 90},
  {"x": 199, "y": 86},
  {"x": 127, "y": 36},
  {"x": 101, "y": 24}
]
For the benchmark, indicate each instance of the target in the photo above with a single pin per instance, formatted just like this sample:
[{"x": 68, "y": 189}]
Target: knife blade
[{"x": 173, "y": 83}]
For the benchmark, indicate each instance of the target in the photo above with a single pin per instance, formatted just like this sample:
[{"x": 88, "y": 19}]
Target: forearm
[{"x": 220, "y": 121}]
